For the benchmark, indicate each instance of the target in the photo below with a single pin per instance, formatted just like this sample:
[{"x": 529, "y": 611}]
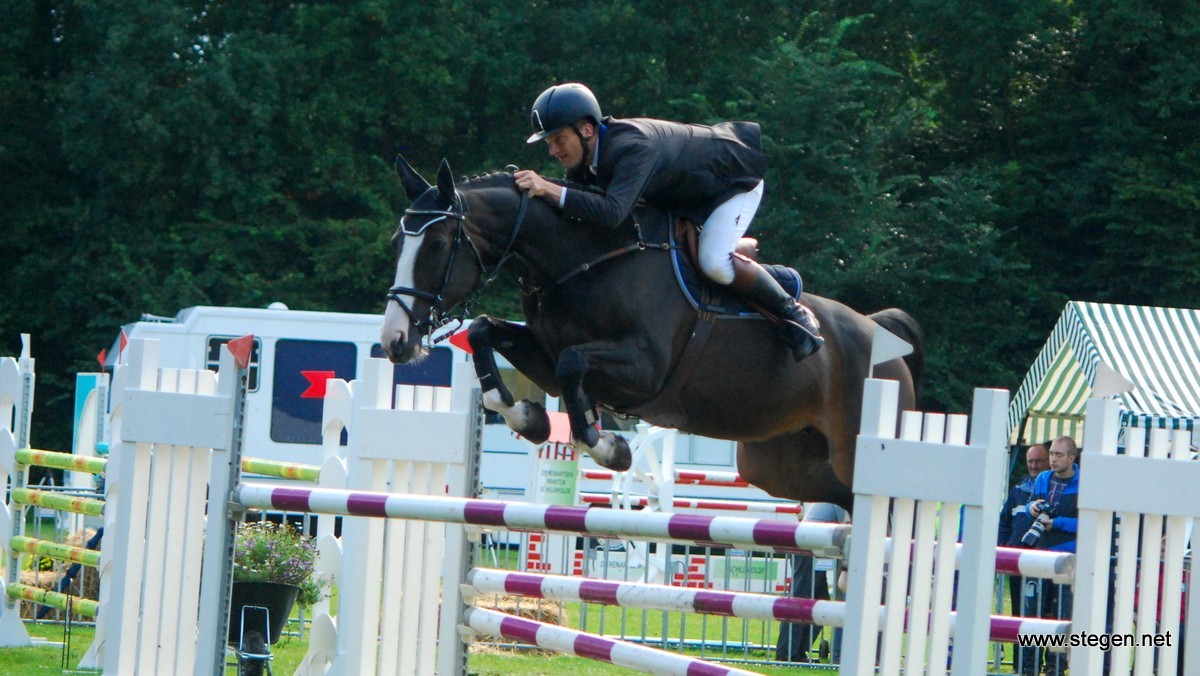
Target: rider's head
[{"x": 566, "y": 117}]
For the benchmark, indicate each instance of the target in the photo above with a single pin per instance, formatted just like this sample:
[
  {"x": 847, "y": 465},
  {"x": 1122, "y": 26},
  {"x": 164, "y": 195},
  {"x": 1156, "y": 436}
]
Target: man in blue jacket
[
  {"x": 1055, "y": 506},
  {"x": 711, "y": 174}
]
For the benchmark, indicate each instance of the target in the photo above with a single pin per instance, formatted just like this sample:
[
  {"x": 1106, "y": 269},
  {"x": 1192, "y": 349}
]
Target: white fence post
[
  {"x": 928, "y": 473},
  {"x": 16, "y": 404},
  {"x": 1133, "y": 495}
]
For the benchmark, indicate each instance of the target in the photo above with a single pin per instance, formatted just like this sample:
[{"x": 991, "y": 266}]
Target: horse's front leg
[
  {"x": 518, "y": 344},
  {"x": 619, "y": 362}
]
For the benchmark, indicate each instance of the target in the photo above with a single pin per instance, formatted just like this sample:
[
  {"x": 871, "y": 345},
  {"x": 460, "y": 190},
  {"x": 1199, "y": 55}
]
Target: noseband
[{"x": 457, "y": 212}]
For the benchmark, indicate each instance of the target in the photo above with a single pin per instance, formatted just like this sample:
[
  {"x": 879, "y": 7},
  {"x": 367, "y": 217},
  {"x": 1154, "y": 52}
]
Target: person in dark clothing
[
  {"x": 1014, "y": 517},
  {"x": 1055, "y": 505},
  {"x": 710, "y": 174},
  {"x": 809, "y": 582},
  {"x": 1015, "y": 521}
]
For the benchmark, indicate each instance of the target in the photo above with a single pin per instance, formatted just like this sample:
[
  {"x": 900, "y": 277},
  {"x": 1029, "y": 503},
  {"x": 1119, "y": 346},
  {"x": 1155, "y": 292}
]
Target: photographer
[{"x": 1055, "y": 511}]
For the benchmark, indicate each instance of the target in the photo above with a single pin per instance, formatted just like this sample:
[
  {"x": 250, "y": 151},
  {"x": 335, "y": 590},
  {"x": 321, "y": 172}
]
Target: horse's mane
[
  {"x": 492, "y": 179},
  {"x": 503, "y": 179}
]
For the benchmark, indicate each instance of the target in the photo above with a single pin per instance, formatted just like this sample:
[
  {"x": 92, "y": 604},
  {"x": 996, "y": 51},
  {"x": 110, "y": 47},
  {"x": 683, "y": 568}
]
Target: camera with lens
[{"x": 1034, "y": 535}]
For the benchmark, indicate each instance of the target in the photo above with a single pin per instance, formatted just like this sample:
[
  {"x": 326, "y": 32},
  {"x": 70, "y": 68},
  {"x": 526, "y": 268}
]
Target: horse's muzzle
[{"x": 397, "y": 337}]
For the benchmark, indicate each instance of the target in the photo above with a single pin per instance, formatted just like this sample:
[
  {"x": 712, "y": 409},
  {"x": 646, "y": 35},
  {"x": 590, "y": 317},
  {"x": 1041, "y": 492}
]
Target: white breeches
[{"x": 721, "y": 231}]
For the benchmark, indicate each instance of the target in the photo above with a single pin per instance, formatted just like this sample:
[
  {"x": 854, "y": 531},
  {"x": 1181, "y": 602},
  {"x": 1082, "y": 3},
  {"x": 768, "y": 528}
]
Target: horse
[{"x": 606, "y": 323}]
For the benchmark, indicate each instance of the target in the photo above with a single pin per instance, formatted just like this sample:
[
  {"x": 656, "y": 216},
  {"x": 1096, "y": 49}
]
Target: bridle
[{"x": 457, "y": 211}]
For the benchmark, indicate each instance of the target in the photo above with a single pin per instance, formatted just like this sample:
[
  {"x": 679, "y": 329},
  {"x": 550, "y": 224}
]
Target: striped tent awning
[{"x": 1157, "y": 349}]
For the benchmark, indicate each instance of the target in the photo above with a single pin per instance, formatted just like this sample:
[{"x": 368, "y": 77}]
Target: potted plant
[{"x": 272, "y": 568}]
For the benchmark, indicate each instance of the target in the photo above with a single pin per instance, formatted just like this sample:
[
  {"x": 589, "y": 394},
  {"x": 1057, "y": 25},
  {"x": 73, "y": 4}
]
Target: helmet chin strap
[{"x": 584, "y": 141}]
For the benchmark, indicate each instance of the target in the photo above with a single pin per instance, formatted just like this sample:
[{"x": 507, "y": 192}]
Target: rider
[{"x": 713, "y": 175}]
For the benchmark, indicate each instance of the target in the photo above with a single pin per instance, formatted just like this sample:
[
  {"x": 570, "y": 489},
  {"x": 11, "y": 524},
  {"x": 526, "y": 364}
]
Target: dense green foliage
[{"x": 975, "y": 163}]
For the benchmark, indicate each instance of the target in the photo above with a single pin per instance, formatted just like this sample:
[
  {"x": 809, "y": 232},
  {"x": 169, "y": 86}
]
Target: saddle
[
  {"x": 713, "y": 302},
  {"x": 707, "y": 296}
]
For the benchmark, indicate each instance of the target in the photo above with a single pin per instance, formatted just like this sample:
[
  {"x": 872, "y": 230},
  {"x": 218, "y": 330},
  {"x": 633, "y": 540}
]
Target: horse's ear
[
  {"x": 414, "y": 184},
  {"x": 445, "y": 181}
]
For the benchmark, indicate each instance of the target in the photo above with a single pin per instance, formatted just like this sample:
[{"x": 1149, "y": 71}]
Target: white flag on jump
[
  {"x": 886, "y": 346},
  {"x": 1109, "y": 382}
]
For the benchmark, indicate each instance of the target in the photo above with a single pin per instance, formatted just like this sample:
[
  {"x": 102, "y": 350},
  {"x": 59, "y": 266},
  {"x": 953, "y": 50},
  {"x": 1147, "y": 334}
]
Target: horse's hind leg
[
  {"x": 519, "y": 346},
  {"x": 794, "y": 466}
]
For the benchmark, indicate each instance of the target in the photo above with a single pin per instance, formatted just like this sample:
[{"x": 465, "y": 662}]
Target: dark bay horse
[{"x": 606, "y": 323}]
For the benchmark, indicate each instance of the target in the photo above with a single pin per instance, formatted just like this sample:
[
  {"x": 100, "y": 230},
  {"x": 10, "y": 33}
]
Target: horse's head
[{"x": 437, "y": 264}]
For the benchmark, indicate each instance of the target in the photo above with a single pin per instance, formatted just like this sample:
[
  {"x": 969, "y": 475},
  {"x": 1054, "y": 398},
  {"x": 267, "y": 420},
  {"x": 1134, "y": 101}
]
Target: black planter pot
[{"x": 276, "y": 597}]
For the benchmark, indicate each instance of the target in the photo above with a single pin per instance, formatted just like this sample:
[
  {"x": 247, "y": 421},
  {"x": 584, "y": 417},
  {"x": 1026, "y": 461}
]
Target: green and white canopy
[{"x": 1157, "y": 349}]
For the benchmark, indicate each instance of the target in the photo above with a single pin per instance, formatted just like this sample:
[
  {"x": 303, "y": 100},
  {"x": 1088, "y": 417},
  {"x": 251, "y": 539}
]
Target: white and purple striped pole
[
  {"x": 1040, "y": 563},
  {"x": 484, "y": 581},
  {"x": 571, "y": 642},
  {"x": 826, "y": 540},
  {"x": 763, "y": 507},
  {"x": 745, "y": 605}
]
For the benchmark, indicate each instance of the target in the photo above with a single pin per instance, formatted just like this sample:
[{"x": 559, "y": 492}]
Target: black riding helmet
[{"x": 561, "y": 106}]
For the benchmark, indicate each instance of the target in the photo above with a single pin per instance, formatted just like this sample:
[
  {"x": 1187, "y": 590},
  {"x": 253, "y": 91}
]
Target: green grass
[
  {"x": 484, "y": 659},
  {"x": 289, "y": 652}
]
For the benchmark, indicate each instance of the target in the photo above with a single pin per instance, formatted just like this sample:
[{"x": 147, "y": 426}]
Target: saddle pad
[{"x": 720, "y": 300}]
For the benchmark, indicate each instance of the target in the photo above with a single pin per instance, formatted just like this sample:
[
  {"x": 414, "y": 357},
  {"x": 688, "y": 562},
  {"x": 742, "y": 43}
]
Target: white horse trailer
[{"x": 295, "y": 351}]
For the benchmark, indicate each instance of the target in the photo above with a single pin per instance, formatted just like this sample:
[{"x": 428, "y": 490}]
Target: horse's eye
[{"x": 437, "y": 245}]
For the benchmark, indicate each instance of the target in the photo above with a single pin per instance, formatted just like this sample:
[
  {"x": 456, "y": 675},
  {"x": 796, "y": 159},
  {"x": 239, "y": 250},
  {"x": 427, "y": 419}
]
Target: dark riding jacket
[{"x": 686, "y": 169}]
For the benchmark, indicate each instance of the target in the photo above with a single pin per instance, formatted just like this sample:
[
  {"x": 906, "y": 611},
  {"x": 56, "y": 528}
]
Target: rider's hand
[{"x": 536, "y": 185}]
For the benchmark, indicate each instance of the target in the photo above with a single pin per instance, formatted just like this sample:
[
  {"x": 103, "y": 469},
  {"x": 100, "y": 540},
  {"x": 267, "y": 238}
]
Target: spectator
[
  {"x": 1055, "y": 510},
  {"x": 1015, "y": 519},
  {"x": 809, "y": 582}
]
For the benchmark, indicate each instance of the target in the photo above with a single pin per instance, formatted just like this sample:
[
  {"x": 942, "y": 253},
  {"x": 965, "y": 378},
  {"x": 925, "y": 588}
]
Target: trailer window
[
  {"x": 301, "y": 369},
  {"x": 434, "y": 370},
  {"x": 213, "y": 358}
]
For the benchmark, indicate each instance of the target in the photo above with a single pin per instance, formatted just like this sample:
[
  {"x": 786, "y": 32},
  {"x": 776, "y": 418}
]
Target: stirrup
[
  {"x": 799, "y": 338},
  {"x": 810, "y": 323}
]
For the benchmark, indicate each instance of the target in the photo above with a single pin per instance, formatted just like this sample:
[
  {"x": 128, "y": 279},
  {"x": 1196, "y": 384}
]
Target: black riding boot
[{"x": 798, "y": 328}]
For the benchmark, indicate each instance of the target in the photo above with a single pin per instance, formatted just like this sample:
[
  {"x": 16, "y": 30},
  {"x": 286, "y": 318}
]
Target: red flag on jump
[{"x": 240, "y": 348}]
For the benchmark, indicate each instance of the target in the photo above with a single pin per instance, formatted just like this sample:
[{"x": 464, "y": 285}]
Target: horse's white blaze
[{"x": 395, "y": 319}]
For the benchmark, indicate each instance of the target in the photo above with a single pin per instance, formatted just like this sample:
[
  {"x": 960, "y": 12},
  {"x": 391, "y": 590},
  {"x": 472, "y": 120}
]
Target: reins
[
  {"x": 458, "y": 211},
  {"x": 639, "y": 245}
]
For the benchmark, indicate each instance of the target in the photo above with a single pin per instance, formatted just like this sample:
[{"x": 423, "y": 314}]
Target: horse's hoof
[
  {"x": 536, "y": 423},
  {"x": 612, "y": 452}
]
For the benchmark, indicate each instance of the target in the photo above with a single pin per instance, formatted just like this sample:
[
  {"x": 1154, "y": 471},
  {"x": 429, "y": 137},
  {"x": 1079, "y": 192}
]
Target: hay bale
[
  {"x": 550, "y": 612},
  {"x": 540, "y": 610},
  {"x": 86, "y": 584}
]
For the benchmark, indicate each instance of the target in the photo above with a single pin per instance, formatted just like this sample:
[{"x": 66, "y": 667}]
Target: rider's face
[{"x": 566, "y": 147}]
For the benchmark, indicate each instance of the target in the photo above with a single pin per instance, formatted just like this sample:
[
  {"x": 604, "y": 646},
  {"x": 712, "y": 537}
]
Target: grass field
[{"x": 289, "y": 652}]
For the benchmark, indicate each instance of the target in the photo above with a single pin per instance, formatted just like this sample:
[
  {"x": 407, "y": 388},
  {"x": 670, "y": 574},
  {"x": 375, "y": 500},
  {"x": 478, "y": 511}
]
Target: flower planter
[{"x": 277, "y": 598}]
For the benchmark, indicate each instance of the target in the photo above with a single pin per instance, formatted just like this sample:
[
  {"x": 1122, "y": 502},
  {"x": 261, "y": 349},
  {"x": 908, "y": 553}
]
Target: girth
[{"x": 666, "y": 408}]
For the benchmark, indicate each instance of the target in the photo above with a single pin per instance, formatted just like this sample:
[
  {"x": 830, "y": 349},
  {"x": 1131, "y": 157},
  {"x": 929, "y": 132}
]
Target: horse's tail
[{"x": 903, "y": 325}]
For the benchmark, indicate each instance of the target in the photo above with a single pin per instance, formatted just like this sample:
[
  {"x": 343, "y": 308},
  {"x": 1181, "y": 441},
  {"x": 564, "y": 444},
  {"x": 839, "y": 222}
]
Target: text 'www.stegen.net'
[{"x": 1086, "y": 639}]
